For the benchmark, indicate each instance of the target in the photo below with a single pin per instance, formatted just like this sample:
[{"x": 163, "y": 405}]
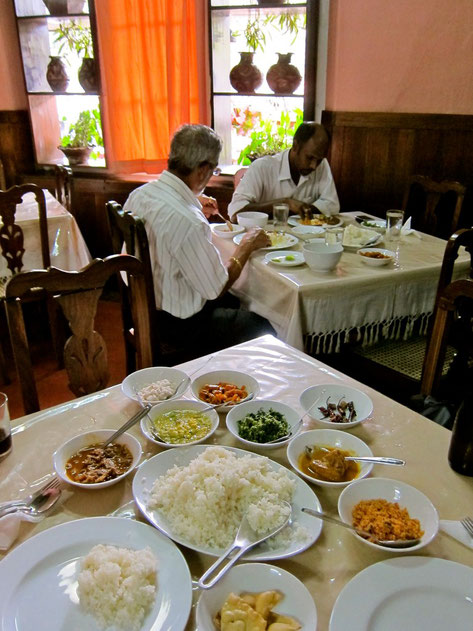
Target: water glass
[
  {"x": 5, "y": 430},
  {"x": 334, "y": 235},
  {"x": 280, "y": 217},
  {"x": 394, "y": 220}
]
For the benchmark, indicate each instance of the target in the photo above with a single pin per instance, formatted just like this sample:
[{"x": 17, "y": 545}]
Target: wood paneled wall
[
  {"x": 373, "y": 154},
  {"x": 16, "y": 144}
]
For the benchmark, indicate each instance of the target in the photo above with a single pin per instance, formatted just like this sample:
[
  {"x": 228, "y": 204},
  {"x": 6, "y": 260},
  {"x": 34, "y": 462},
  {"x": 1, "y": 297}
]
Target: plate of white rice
[
  {"x": 197, "y": 496},
  {"x": 67, "y": 577}
]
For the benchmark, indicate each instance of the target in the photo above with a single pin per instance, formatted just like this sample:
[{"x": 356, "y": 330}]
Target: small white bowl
[
  {"x": 146, "y": 376},
  {"x": 259, "y": 577},
  {"x": 418, "y": 505},
  {"x": 329, "y": 438},
  {"x": 321, "y": 257},
  {"x": 373, "y": 261},
  {"x": 182, "y": 404},
  {"x": 221, "y": 230},
  {"x": 226, "y": 376},
  {"x": 72, "y": 446},
  {"x": 252, "y": 218},
  {"x": 361, "y": 401},
  {"x": 240, "y": 411}
]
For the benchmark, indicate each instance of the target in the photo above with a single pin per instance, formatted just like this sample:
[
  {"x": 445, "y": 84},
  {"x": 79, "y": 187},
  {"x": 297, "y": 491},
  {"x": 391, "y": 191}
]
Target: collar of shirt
[
  {"x": 171, "y": 180},
  {"x": 285, "y": 170}
]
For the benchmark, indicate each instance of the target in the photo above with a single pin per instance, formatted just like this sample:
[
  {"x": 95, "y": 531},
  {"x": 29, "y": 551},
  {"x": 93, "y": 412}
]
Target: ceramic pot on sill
[
  {"x": 88, "y": 75},
  {"x": 245, "y": 76},
  {"x": 76, "y": 155},
  {"x": 56, "y": 75},
  {"x": 270, "y": 2},
  {"x": 283, "y": 77},
  {"x": 63, "y": 7}
]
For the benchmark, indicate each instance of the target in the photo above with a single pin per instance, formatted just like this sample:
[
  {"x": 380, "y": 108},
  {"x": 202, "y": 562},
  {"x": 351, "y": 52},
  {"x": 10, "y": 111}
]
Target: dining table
[
  {"x": 320, "y": 311},
  {"x": 283, "y": 373},
  {"x": 67, "y": 247}
]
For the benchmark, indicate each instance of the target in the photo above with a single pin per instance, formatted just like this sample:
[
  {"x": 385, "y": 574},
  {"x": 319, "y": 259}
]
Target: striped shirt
[
  {"x": 187, "y": 268},
  {"x": 270, "y": 178}
]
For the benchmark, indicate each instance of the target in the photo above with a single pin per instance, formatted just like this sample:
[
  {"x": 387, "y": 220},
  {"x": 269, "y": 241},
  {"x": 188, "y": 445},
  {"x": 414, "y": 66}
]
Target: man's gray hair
[{"x": 193, "y": 145}]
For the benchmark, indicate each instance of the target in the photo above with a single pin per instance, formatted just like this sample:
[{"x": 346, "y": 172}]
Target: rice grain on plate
[
  {"x": 118, "y": 586},
  {"x": 205, "y": 501},
  {"x": 157, "y": 391}
]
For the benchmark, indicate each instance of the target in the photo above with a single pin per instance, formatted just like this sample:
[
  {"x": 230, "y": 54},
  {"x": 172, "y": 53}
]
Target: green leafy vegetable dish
[
  {"x": 180, "y": 426},
  {"x": 263, "y": 426}
]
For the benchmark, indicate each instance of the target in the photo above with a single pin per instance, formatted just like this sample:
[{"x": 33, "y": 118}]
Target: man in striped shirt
[{"x": 190, "y": 279}]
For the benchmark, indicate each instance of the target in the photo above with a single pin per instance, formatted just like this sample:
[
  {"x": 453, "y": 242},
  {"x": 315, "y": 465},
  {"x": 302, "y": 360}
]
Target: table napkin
[
  {"x": 10, "y": 527},
  {"x": 457, "y": 531},
  {"x": 406, "y": 229}
]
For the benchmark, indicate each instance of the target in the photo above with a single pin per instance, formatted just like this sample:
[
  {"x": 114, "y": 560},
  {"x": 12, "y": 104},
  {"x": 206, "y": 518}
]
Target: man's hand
[
  {"x": 209, "y": 205},
  {"x": 255, "y": 239}
]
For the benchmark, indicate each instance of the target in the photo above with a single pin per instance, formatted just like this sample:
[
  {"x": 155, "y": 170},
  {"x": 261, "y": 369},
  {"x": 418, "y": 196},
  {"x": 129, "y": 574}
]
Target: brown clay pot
[
  {"x": 283, "y": 77},
  {"x": 88, "y": 75},
  {"x": 56, "y": 7},
  {"x": 56, "y": 75},
  {"x": 76, "y": 155},
  {"x": 245, "y": 76}
]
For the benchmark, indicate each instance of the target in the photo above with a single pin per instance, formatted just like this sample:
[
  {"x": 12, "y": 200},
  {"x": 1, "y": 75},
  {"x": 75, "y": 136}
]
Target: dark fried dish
[
  {"x": 375, "y": 255},
  {"x": 341, "y": 412}
]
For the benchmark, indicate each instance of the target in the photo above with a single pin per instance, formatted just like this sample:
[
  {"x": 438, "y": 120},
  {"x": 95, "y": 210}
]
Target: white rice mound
[
  {"x": 118, "y": 586},
  {"x": 205, "y": 501}
]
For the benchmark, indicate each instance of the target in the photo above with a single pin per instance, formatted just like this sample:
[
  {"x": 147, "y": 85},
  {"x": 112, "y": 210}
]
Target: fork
[
  {"x": 467, "y": 523},
  {"x": 5, "y": 507}
]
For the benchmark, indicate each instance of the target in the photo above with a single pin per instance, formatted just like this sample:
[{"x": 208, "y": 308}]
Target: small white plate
[
  {"x": 222, "y": 231},
  {"x": 259, "y": 577},
  {"x": 412, "y": 592},
  {"x": 295, "y": 220},
  {"x": 374, "y": 262},
  {"x": 285, "y": 258},
  {"x": 375, "y": 224},
  {"x": 285, "y": 241}
]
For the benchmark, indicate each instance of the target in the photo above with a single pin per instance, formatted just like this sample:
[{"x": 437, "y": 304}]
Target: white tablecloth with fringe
[{"x": 318, "y": 312}]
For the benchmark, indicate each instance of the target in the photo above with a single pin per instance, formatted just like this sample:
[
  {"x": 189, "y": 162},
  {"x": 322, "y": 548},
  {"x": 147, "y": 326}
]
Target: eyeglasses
[{"x": 217, "y": 171}]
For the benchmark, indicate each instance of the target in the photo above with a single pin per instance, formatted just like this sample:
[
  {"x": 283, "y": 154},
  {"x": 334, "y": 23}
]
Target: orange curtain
[{"x": 154, "y": 68}]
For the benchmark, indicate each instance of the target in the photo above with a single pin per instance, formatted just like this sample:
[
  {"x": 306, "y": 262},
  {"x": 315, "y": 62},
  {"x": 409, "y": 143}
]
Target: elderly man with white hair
[{"x": 190, "y": 278}]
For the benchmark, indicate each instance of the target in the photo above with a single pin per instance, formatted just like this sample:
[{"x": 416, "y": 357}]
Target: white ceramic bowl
[
  {"x": 181, "y": 404},
  {"x": 72, "y": 446},
  {"x": 373, "y": 261},
  {"x": 221, "y": 230},
  {"x": 418, "y": 505},
  {"x": 226, "y": 376},
  {"x": 321, "y": 257},
  {"x": 259, "y": 577},
  {"x": 240, "y": 411},
  {"x": 361, "y": 401},
  {"x": 146, "y": 376},
  {"x": 252, "y": 218},
  {"x": 329, "y": 438}
]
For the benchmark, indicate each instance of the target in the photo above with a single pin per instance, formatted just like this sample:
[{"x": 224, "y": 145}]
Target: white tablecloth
[
  {"x": 325, "y": 309},
  {"x": 67, "y": 247}
]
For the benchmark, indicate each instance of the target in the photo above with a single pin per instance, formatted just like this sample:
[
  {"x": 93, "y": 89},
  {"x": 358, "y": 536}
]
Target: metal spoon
[
  {"x": 399, "y": 543},
  {"x": 40, "y": 504},
  {"x": 245, "y": 539},
  {"x": 373, "y": 459},
  {"x": 227, "y": 221},
  {"x": 295, "y": 427}
]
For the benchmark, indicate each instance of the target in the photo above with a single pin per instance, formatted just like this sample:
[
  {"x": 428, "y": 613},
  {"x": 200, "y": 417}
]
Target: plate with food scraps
[
  {"x": 285, "y": 259},
  {"x": 291, "y": 597},
  {"x": 375, "y": 224},
  {"x": 333, "y": 221},
  {"x": 154, "y": 384},
  {"x": 188, "y": 515},
  {"x": 355, "y": 237},
  {"x": 376, "y": 257},
  {"x": 336, "y": 405},
  {"x": 420, "y": 592},
  {"x": 40, "y": 577},
  {"x": 279, "y": 240}
]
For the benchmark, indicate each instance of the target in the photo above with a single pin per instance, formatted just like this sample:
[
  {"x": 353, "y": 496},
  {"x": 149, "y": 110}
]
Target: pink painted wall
[
  {"x": 12, "y": 92},
  {"x": 401, "y": 56}
]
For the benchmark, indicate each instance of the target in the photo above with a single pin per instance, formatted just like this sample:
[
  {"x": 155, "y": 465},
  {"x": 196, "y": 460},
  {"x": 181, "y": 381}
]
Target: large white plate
[
  {"x": 295, "y": 220},
  {"x": 158, "y": 465},
  {"x": 39, "y": 578},
  {"x": 287, "y": 241},
  {"x": 421, "y": 593}
]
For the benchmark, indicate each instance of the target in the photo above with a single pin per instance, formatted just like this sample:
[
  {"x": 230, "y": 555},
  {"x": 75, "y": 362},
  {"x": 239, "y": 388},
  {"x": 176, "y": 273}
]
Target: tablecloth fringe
[{"x": 398, "y": 328}]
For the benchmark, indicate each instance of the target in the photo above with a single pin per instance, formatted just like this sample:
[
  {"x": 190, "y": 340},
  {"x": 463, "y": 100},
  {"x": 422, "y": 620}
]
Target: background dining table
[
  {"x": 283, "y": 373},
  {"x": 319, "y": 311},
  {"x": 67, "y": 247}
]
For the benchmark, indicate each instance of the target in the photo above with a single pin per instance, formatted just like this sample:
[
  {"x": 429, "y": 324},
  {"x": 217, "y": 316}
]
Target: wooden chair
[
  {"x": 63, "y": 189},
  {"x": 3, "y": 180},
  {"x": 435, "y": 207},
  {"x": 77, "y": 294}
]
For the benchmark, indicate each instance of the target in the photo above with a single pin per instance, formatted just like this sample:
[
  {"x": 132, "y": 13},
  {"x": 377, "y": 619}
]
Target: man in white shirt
[
  {"x": 190, "y": 279},
  {"x": 300, "y": 177}
]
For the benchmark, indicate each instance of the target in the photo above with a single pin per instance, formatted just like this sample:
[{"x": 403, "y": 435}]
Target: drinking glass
[
  {"x": 333, "y": 235},
  {"x": 5, "y": 430},
  {"x": 280, "y": 216},
  {"x": 394, "y": 219}
]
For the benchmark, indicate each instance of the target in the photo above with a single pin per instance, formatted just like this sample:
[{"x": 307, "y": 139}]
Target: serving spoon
[
  {"x": 295, "y": 427},
  {"x": 397, "y": 543},
  {"x": 374, "y": 459}
]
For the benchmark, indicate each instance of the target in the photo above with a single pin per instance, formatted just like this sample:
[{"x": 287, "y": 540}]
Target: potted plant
[
  {"x": 271, "y": 138},
  {"x": 78, "y": 39},
  {"x": 82, "y": 137}
]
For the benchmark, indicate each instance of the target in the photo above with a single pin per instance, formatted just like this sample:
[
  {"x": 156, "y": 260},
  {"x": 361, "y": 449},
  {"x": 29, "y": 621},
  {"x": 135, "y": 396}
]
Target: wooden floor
[{"x": 51, "y": 382}]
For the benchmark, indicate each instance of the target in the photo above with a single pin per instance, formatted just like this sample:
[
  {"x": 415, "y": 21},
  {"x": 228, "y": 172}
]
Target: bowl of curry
[{"x": 82, "y": 461}]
